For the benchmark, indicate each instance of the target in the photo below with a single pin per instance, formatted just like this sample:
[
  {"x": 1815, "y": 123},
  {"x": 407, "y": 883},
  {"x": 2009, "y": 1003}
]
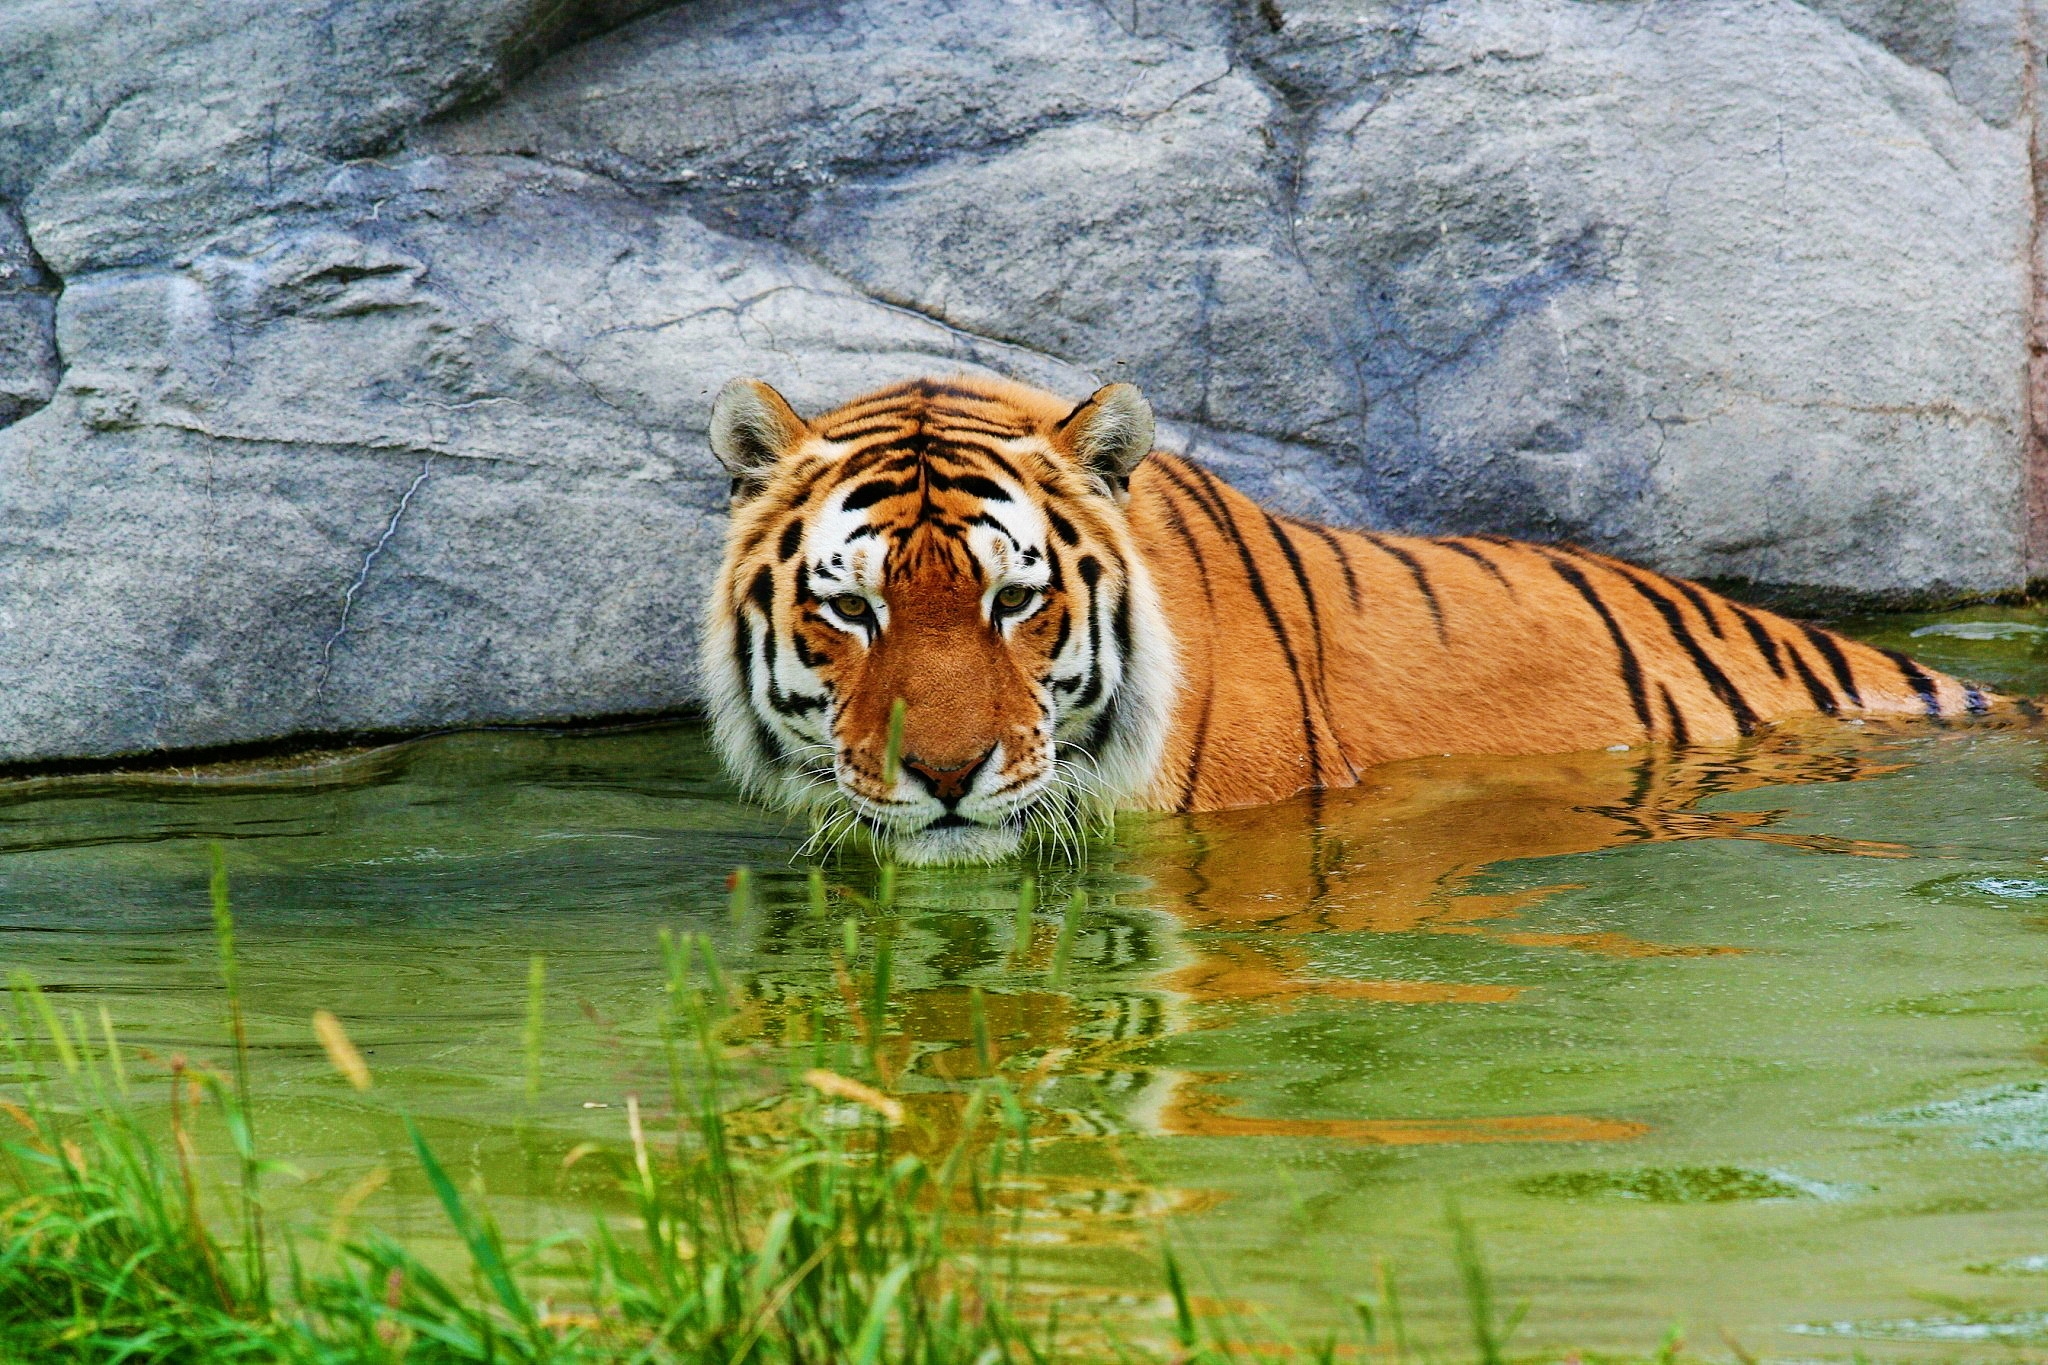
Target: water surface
[{"x": 1746, "y": 1040}]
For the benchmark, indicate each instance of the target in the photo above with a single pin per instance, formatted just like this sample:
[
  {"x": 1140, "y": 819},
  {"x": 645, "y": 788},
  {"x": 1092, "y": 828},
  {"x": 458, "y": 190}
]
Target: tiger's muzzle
[{"x": 977, "y": 733}]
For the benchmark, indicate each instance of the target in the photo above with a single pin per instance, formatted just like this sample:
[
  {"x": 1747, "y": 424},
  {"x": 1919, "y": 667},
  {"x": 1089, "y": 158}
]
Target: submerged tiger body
[{"x": 1069, "y": 617}]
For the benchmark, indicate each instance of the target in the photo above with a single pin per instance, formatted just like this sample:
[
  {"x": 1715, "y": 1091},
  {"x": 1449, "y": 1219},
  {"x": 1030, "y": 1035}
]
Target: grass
[{"x": 133, "y": 1231}]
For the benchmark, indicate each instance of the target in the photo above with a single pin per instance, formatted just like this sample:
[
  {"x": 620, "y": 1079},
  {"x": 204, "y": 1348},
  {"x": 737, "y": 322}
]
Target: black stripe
[
  {"x": 1226, "y": 525},
  {"x": 907, "y": 444},
  {"x": 1195, "y": 754},
  {"x": 1916, "y": 677},
  {"x": 1059, "y": 640},
  {"x": 1002, "y": 462},
  {"x": 1176, "y": 523},
  {"x": 1422, "y": 583},
  {"x": 1716, "y": 680},
  {"x": 1974, "y": 700},
  {"x": 1105, "y": 720},
  {"x": 1111, "y": 714},
  {"x": 1061, "y": 527},
  {"x": 1631, "y": 669},
  {"x": 752, "y": 542},
  {"x": 1815, "y": 689},
  {"x": 807, "y": 483},
  {"x": 868, "y": 494},
  {"x": 1315, "y": 626},
  {"x": 1832, "y": 652},
  {"x": 904, "y": 462},
  {"x": 866, "y": 426},
  {"x": 1765, "y": 645},
  {"x": 805, "y": 655},
  {"x": 974, "y": 422},
  {"x": 793, "y": 703},
  {"x": 984, "y": 519},
  {"x": 792, "y": 537},
  {"x": 948, "y": 445},
  {"x": 1459, "y": 547},
  {"x": 2027, "y": 707},
  {"x": 761, "y": 592},
  {"x": 1680, "y": 736},
  {"x": 1699, "y": 604},
  {"x": 1324, "y": 534},
  {"x": 1091, "y": 688},
  {"x": 743, "y": 653},
  {"x": 988, "y": 490}
]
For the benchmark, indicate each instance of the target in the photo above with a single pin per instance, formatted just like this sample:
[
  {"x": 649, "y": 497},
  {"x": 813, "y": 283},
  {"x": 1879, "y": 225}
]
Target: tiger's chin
[{"x": 954, "y": 842}]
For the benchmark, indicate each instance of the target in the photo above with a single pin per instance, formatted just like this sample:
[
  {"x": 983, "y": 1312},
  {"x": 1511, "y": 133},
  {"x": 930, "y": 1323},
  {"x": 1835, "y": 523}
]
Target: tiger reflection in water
[{"x": 1400, "y": 854}]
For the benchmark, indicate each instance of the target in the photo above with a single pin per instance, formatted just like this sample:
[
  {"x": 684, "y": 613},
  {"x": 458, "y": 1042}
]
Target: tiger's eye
[
  {"x": 851, "y": 605},
  {"x": 1013, "y": 597}
]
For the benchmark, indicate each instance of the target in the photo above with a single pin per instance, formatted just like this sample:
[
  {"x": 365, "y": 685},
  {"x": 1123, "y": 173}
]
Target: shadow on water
[{"x": 1669, "y": 1025}]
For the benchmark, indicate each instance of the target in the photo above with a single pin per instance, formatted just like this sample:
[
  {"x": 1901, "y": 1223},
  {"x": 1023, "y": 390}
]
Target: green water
[{"x": 1749, "y": 1041}]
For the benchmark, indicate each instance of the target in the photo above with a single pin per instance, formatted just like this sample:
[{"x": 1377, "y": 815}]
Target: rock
[
  {"x": 28, "y": 323},
  {"x": 388, "y": 329},
  {"x": 1627, "y": 287},
  {"x": 1968, "y": 41}
]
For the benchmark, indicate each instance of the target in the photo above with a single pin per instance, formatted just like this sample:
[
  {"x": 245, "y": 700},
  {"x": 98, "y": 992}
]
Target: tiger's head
[{"x": 960, "y": 546}]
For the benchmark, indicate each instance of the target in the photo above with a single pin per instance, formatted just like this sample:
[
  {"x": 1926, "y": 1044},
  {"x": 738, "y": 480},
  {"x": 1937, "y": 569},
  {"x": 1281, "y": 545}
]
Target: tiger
[{"x": 957, "y": 612}]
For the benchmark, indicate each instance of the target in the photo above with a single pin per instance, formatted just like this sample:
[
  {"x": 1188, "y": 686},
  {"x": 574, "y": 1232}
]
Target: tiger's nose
[{"x": 948, "y": 784}]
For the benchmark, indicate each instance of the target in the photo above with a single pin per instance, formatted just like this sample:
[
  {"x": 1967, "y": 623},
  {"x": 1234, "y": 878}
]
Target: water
[{"x": 1749, "y": 1041}]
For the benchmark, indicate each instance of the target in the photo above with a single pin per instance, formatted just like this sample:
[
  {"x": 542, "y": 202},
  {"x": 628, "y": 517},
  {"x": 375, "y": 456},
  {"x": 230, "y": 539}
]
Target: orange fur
[{"x": 1310, "y": 654}]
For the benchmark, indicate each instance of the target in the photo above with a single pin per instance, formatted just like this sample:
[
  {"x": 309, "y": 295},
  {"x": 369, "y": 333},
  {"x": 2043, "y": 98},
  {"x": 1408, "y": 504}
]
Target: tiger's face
[{"x": 959, "y": 547}]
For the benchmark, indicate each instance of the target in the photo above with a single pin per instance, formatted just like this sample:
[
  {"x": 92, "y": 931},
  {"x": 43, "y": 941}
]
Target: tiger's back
[{"x": 1310, "y": 653}]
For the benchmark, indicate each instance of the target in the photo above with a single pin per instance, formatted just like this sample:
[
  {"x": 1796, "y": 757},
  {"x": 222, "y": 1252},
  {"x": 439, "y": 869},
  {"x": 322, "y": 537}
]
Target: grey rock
[
  {"x": 131, "y": 127},
  {"x": 28, "y": 323},
  {"x": 1628, "y": 285},
  {"x": 1971, "y": 42},
  {"x": 358, "y": 355}
]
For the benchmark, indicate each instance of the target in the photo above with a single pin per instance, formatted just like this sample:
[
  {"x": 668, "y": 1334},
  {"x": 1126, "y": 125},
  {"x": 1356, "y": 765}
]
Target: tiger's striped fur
[{"x": 1069, "y": 615}]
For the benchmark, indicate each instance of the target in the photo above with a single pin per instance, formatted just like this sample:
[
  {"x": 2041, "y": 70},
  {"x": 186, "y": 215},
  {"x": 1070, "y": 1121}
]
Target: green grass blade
[
  {"x": 892, "y": 750},
  {"x": 867, "y": 1347},
  {"x": 476, "y": 1234}
]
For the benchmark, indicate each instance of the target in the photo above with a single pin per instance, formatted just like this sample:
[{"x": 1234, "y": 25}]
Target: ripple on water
[
  {"x": 1978, "y": 889},
  {"x": 1675, "y": 1185},
  {"x": 1982, "y": 630},
  {"x": 2015, "y": 1265},
  {"x": 2006, "y": 1328},
  {"x": 2008, "y": 1117}
]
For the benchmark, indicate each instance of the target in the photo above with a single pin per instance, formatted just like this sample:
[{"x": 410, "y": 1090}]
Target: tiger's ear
[
  {"x": 752, "y": 427},
  {"x": 1109, "y": 434}
]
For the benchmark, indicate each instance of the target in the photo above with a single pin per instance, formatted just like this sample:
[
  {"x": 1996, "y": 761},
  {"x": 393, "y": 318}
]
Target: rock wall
[{"x": 355, "y": 357}]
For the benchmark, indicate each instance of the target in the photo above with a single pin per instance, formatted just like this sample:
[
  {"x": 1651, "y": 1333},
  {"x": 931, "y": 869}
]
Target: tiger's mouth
[
  {"x": 948, "y": 835},
  {"x": 953, "y": 838},
  {"x": 921, "y": 822}
]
